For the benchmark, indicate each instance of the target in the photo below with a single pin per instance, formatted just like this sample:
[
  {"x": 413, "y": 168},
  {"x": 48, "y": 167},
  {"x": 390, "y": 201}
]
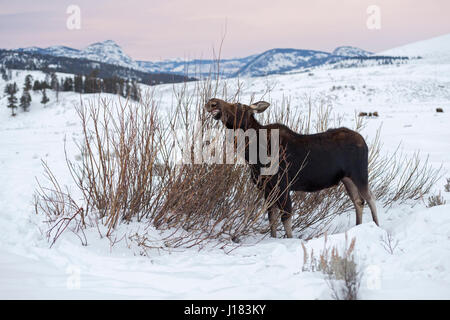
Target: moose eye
[{"x": 213, "y": 104}]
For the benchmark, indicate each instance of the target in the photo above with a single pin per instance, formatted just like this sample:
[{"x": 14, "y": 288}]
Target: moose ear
[{"x": 259, "y": 106}]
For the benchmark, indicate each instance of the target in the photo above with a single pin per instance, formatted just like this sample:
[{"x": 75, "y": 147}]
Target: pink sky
[{"x": 160, "y": 29}]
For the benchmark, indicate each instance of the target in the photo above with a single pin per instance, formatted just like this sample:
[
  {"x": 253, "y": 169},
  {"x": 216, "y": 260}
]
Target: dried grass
[
  {"x": 342, "y": 274},
  {"x": 436, "y": 200}
]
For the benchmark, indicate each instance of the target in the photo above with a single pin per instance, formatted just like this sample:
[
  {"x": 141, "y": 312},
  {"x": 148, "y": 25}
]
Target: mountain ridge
[
  {"x": 272, "y": 61},
  {"x": 34, "y": 60},
  {"x": 107, "y": 51}
]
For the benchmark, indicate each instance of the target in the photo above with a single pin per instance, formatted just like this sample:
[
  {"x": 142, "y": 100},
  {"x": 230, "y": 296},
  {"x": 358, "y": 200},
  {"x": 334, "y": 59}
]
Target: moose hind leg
[
  {"x": 287, "y": 223},
  {"x": 368, "y": 196},
  {"x": 353, "y": 193}
]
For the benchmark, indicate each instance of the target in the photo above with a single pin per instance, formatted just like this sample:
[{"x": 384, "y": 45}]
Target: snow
[
  {"x": 437, "y": 48},
  {"x": 405, "y": 96}
]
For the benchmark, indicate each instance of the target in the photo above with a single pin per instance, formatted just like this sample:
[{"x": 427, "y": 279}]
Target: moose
[{"x": 309, "y": 162}]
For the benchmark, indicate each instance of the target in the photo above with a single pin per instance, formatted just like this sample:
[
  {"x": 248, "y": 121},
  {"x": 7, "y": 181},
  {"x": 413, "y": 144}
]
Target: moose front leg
[
  {"x": 286, "y": 214},
  {"x": 273, "y": 220}
]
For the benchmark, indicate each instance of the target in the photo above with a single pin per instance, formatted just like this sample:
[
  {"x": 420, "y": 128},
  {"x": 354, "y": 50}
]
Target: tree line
[
  {"x": 78, "y": 83},
  {"x": 90, "y": 84}
]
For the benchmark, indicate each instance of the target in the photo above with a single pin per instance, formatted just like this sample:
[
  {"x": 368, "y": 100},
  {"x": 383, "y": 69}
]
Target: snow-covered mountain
[
  {"x": 106, "y": 51},
  {"x": 437, "y": 48},
  {"x": 34, "y": 59},
  {"x": 349, "y": 51},
  {"x": 274, "y": 61},
  {"x": 109, "y": 52},
  {"x": 197, "y": 67},
  {"x": 278, "y": 61},
  {"x": 63, "y": 51}
]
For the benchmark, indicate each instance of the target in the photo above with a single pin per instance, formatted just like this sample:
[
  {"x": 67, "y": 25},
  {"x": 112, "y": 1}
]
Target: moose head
[{"x": 235, "y": 115}]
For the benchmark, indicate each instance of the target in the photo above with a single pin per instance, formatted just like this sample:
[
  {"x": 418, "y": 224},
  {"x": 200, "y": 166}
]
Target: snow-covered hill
[
  {"x": 348, "y": 51},
  {"x": 283, "y": 60},
  {"x": 437, "y": 48}
]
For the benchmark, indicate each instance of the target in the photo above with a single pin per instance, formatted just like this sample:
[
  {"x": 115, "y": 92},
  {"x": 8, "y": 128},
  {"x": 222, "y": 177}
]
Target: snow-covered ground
[{"x": 405, "y": 97}]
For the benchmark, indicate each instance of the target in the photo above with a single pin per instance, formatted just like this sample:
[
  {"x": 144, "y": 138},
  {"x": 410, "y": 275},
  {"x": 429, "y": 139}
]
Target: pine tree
[
  {"x": 54, "y": 81},
  {"x": 27, "y": 85},
  {"x": 92, "y": 83},
  {"x": 54, "y": 84},
  {"x": 25, "y": 100},
  {"x": 135, "y": 93},
  {"x": 37, "y": 85},
  {"x": 4, "y": 74},
  {"x": 127, "y": 89},
  {"x": 78, "y": 83},
  {"x": 120, "y": 86},
  {"x": 45, "y": 84},
  {"x": 68, "y": 84},
  {"x": 88, "y": 85},
  {"x": 44, "y": 99},
  {"x": 11, "y": 90},
  {"x": 47, "y": 79}
]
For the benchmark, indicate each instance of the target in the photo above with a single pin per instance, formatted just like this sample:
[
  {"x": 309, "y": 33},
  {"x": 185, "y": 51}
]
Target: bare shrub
[
  {"x": 118, "y": 173},
  {"x": 126, "y": 172},
  {"x": 436, "y": 200},
  {"x": 396, "y": 178},
  {"x": 447, "y": 185},
  {"x": 207, "y": 202},
  {"x": 389, "y": 243},
  {"x": 347, "y": 288},
  {"x": 61, "y": 210},
  {"x": 341, "y": 271}
]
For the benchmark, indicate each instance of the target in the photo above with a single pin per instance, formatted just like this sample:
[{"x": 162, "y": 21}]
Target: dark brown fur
[{"x": 307, "y": 162}]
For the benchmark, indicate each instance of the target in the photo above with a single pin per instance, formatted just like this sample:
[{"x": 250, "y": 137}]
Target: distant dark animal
[
  {"x": 307, "y": 162},
  {"x": 370, "y": 114},
  {"x": 439, "y": 110}
]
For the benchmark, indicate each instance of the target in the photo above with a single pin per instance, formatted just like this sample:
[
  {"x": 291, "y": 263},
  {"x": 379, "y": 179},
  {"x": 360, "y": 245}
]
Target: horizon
[
  {"x": 246, "y": 29},
  {"x": 228, "y": 58}
]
